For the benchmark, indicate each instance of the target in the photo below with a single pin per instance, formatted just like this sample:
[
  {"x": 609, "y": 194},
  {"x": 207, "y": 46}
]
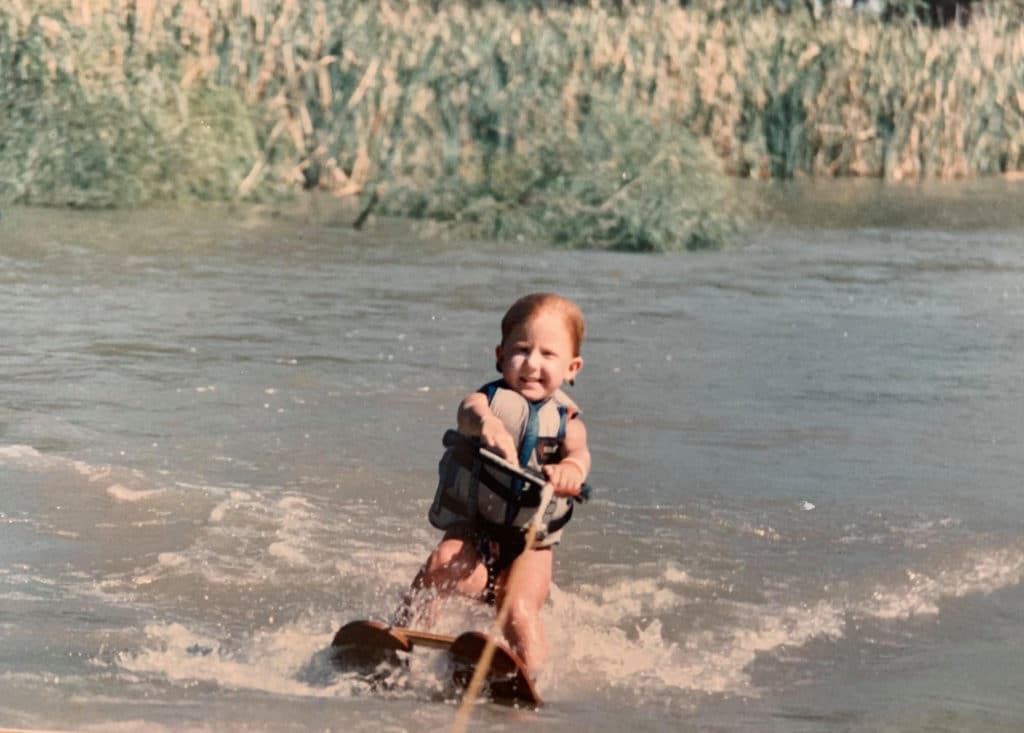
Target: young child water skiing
[{"x": 526, "y": 418}]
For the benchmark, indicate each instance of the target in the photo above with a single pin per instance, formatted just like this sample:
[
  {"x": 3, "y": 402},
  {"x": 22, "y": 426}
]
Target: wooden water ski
[
  {"x": 378, "y": 635},
  {"x": 507, "y": 681},
  {"x": 369, "y": 648}
]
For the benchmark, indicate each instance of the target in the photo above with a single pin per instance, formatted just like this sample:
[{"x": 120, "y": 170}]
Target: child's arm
[
  {"x": 476, "y": 419},
  {"x": 568, "y": 475}
]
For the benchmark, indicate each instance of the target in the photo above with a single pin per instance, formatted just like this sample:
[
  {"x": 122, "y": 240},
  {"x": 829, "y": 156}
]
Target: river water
[{"x": 219, "y": 430}]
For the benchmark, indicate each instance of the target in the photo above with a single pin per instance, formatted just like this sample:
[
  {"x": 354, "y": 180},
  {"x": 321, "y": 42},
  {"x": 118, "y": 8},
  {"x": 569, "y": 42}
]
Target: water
[{"x": 219, "y": 432}]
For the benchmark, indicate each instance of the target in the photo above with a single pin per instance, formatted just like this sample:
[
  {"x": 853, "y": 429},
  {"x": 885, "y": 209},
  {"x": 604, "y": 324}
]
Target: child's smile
[{"x": 537, "y": 357}]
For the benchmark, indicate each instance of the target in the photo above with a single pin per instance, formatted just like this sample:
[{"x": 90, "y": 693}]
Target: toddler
[{"x": 526, "y": 418}]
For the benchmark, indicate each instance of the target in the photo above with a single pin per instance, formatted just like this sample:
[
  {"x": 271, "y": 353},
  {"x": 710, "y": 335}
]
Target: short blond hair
[{"x": 527, "y": 307}]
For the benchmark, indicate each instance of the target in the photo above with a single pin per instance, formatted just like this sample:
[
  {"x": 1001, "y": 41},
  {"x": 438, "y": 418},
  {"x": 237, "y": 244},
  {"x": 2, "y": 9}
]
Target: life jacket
[{"x": 481, "y": 497}]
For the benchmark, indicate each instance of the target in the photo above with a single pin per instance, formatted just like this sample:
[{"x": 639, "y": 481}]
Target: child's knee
[
  {"x": 451, "y": 559},
  {"x": 445, "y": 555}
]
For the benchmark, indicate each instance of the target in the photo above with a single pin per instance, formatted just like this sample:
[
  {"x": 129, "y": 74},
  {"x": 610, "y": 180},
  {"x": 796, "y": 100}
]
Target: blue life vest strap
[{"x": 491, "y": 388}]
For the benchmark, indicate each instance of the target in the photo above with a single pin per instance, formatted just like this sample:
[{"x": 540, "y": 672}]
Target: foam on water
[
  {"x": 121, "y": 484},
  {"x": 924, "y": 590},
  {"x": 590, "y": 645},
  {"x": 251, "y": 537},
  {"x": 23, "y": 455},
  {"x": 590, "y": 635},
  {"x": 248, "y": 599},
  {"x": 123, "y": 493},
  {"x": 269, "y": 662},
  {"x": 291, "y": 659}
]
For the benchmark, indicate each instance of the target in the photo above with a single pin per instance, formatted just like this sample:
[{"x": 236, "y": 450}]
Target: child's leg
[
  {"x": 525, "y": 588},
  {"x": 454, "y": 566}
]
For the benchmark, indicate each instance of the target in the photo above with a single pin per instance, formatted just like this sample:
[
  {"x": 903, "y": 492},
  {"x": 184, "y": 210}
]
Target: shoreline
[
  {"x": 952, "y": 206},
  {"x": 573, "y": 125}
]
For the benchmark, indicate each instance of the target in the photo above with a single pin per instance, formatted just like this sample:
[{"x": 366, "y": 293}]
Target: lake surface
[{"x": 219, "y": 431}]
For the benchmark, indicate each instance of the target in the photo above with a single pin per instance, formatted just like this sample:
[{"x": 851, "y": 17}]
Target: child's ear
[
  {"x": 499, "y": 357},
  {"x": 574, "y": 368}
]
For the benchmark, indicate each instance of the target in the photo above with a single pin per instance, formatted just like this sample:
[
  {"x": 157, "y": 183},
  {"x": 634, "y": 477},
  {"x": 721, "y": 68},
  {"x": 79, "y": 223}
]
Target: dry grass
[{"x": 121, "y": 101}]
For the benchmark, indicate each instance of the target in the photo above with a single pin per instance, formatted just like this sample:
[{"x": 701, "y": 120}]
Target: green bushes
[
  {"x": 581, "y": 125},
  {"x": 618, "y": 182},
  {"x": 79, "y": 131},
  {"x": 510, "y": 136}
]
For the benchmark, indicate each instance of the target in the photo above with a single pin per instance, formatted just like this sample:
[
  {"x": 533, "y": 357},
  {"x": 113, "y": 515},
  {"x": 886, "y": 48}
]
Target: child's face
[{"x": 537, "y": 357}]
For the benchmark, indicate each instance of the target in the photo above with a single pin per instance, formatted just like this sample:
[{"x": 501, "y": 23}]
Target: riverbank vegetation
[{"x": 583, "y": 125}]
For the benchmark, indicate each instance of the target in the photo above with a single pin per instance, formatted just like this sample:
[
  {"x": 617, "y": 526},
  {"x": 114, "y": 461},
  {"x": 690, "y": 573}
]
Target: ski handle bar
[{"x": 526, "y": 474}]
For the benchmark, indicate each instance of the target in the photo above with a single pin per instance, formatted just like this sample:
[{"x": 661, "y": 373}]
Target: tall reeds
[{"x": 577, "y": 124}]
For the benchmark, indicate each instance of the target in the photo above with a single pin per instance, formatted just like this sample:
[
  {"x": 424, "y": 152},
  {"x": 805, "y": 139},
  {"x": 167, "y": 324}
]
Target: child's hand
[
  {"x": 566, "y": 478},
  {"x": 495, "y": 437}
]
